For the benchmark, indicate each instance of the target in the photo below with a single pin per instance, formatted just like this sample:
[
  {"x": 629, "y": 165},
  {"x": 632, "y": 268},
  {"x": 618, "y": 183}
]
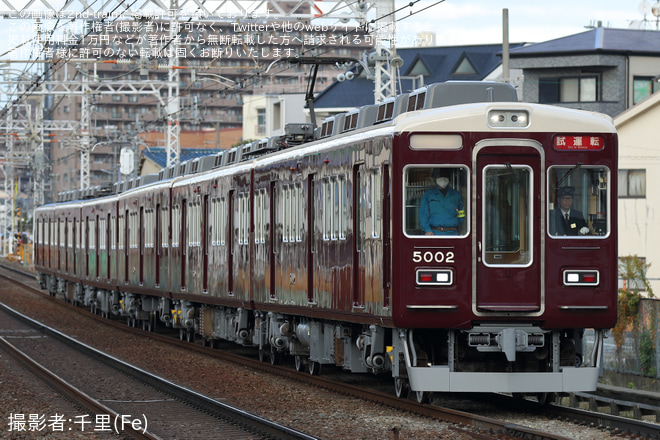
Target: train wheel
[
  {"x": 422, "y": 396},
  {"x": 401, "y": 388},
  {"x": 147, "y": 325},
  {"x": 274, "y": 357},
  {"x": 314, "y": 368},
  {"x": 300, "y": 364},
  {"x": 545, "y": 399}
]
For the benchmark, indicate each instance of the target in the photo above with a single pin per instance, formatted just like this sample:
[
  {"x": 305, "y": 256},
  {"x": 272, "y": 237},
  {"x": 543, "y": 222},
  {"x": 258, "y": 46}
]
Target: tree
[{"x": 632, "y": 269}]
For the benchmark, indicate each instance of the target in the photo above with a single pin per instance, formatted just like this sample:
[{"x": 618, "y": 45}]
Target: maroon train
[{"x": 312, "y": 244}]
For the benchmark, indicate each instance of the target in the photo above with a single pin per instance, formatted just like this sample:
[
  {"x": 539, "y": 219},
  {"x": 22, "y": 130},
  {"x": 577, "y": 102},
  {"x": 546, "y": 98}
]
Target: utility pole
[
  {"x": 385, "y": 59},
  {"x": 173, "y": 147},
  {"x": 85, "y": 123}
]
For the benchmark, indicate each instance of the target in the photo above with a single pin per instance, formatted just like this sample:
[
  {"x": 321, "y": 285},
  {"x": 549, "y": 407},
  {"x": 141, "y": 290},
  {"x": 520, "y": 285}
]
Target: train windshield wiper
[{"x": 567, "y": 175}]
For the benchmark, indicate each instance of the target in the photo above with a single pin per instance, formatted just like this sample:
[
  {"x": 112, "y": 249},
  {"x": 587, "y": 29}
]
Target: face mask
[{"x": 442, "y": 182}]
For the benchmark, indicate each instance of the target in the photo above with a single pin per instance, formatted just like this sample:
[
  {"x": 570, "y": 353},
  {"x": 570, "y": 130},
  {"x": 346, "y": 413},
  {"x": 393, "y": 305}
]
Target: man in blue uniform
[{"x": 441, "y": 211}]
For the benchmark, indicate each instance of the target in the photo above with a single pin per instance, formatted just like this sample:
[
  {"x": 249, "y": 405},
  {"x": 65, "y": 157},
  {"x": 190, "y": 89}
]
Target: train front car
[{"x": 504, "y": 221}]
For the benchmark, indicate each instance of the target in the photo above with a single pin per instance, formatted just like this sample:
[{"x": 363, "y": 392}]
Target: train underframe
[{"x": 494, "y": 357}]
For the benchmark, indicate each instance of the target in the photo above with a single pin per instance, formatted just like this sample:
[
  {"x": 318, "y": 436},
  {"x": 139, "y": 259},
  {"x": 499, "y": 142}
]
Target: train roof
[
  {"x": 471, "y": 117},
  {"x": 442, "y": 103}
]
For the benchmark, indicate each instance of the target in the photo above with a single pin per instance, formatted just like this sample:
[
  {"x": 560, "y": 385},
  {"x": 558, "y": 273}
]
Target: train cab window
[
  {"x": 435, "y": 201},
  {"x": 507, "y": 215},
  {"x": 578, "y": 201}
]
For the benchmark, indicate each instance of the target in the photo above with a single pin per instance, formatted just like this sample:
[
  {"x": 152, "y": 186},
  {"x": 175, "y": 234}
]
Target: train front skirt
[{"x": 441, "y": 378}]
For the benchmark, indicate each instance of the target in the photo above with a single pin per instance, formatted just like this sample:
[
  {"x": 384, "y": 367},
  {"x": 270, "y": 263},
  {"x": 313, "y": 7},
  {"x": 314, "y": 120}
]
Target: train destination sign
[{"x": 572, "y": 143}]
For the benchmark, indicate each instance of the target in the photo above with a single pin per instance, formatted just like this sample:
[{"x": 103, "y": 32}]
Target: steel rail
[
  {"x": 214, "y": 407},
  {"x": 67, "y": 390}
]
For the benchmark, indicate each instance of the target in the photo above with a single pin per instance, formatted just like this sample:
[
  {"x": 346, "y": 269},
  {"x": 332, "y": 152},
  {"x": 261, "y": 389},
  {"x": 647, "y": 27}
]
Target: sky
[
  {"x": 465, "y": 22},
  {"x": 455, "y": 22}
]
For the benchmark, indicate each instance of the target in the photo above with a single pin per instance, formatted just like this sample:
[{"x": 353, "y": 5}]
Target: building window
[
  {"x": 261, "y": 121},
  {"x": 632, "y": 184},
  {"x": 643, "y": 87},
  {"x": 553, "y": 90}
]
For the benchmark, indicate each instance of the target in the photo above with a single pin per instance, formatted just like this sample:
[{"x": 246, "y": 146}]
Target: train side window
[
  {"x": 435, "y": 200},
  {"x": 327, "y": 211},
  {"x": 113, "y": 233},
  {"x": 102, "y": 234},
  {"x": 376, "y": 199},
  {"x": 164, "y": 231},
  {"x": 91, "y": 239},
  {"x": 334, "y": 208},
  {"x": 300, "y": 211},
  {"x": 176, "y": 225},
  {"x": 243, "y": 218},
  {"x": 578, "y": 201},
  {"x": 219, "y": 219},
  {"x": 223, "y": 221},
  {"x": 195, "y": 224},
  {"x": 286, "y": 212},
  {"x": 259, "y": 216}
]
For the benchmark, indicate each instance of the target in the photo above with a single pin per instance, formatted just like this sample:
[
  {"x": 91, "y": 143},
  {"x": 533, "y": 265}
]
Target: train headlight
[
  {"x": 581, "y": 277},
  {"x": 508, "y": 118},
  {"x": 435, "y": 277}
]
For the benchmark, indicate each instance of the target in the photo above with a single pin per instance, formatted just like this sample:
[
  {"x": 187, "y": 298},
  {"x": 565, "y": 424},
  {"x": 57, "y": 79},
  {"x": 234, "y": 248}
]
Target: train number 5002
[{"x": 433, "y": 257}]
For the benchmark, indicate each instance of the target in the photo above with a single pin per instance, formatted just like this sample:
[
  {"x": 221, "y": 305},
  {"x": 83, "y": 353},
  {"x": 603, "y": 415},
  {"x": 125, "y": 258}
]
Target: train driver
[
  {"x": 441, "y": 211},
  {"x": 568, "y": 221}
]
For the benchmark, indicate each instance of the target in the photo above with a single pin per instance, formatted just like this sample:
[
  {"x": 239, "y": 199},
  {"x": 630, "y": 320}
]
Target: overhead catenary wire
[{"x": 243, "y": 80}]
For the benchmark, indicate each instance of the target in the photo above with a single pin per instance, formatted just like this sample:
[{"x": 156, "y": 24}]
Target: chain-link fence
[{"x": 640, "y": 352}]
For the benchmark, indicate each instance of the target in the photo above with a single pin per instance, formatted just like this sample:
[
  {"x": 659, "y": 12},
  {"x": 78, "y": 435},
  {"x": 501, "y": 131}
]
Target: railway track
[
  {"x": 484, "y": 426},
  {"x": 121, "y": 398}
]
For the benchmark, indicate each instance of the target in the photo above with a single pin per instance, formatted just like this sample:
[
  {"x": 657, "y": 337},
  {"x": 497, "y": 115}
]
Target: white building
[
  {"x": 639, "y": 181},
  {"x": 266, "y": 115}
]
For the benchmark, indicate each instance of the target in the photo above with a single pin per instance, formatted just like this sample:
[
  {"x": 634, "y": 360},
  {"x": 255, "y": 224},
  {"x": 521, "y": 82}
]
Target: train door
[
  {"x": 125, "y": 232},
  {"x": 59, "y": 244},
  {"x": 141, "y": 244},
  {"x": 359, "y": 218},
  {"x": 204, "y": 244},
  {"x": 272, "y": 238},
  {"x": 509, "y": 270},
  {"x": 158, "y": 245},
  {"x": 109, "y": 247},
  {"x": 87, "y": 232},
  {"x": 66, "y": 245},
  {"x": 230, "y": 242},
  {"x": 183, "y": 241},
  {"x": 74, "y": 243},
  {"x": 97, "y": 237},
  {"x": 311, "y": 243}
]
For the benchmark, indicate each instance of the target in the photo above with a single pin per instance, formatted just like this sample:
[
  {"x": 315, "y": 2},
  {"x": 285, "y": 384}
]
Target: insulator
[{"x": 124, "y": 61}]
